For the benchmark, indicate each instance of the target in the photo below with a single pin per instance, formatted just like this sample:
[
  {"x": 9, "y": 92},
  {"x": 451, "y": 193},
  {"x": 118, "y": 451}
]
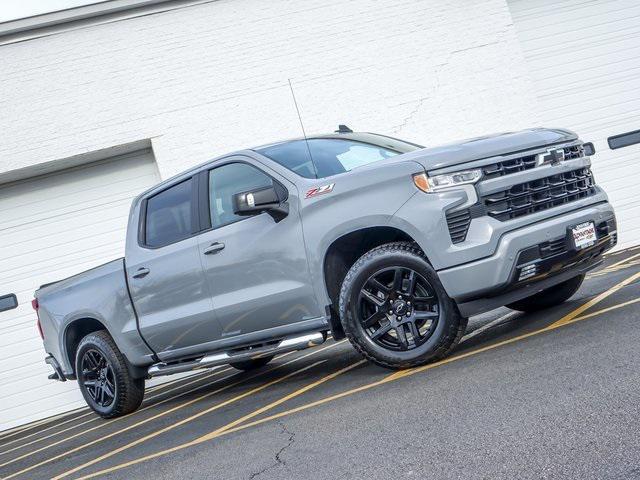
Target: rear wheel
[
  {"x": 104, "y": 377},
  {"x": 394, "y": 309},
  {"x": 549, "y": 297},
  {"x": 252, "y": 364}
]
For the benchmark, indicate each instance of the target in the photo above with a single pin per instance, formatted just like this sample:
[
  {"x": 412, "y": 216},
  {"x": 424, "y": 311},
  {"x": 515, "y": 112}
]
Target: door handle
[
  {"x": 142, "y": 272},
  {"x": 214, "y": 248}
]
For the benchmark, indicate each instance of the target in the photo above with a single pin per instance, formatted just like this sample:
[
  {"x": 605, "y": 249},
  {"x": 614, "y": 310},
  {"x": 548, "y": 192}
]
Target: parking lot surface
[{"x": 555, "y": 394}]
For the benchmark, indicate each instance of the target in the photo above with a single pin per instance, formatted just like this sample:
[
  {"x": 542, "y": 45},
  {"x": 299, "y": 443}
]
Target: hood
[{"x": 488, "y": 146}]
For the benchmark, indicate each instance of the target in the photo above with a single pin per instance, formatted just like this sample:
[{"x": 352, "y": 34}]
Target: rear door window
[{"x": 168, "y": 215}]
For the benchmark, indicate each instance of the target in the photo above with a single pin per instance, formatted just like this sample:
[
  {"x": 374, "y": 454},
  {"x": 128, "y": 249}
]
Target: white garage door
[
  {"x": 584, "y": 58},
  {"x": 52, "y": 227}
]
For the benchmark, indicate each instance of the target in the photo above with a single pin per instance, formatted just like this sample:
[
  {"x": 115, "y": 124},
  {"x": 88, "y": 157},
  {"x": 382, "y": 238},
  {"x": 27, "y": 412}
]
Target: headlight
[{"x": 438, "y": 182}]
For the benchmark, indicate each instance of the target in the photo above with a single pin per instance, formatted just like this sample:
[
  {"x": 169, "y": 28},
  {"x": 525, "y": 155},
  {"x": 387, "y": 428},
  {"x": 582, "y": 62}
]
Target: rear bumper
[
  {"x": 494, "y": 281},
  {"x": 57, "y": 370}
]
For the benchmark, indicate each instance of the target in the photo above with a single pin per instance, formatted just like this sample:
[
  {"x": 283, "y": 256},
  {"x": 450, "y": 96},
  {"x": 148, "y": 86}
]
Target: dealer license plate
[{"x": 584, "y": 235}]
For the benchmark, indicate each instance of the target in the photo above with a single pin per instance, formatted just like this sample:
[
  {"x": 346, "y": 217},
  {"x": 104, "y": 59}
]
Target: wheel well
[
  {"x": 75, "y": 332},
  {"x": 344, "y": 252}
]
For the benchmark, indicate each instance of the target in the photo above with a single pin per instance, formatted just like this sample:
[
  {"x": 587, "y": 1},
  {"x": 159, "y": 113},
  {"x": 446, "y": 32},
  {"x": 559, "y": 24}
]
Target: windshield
[{"x": 333, "y": 155}]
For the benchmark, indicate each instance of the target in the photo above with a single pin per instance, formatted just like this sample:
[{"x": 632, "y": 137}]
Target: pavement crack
[{"x": 278, "y": 456}]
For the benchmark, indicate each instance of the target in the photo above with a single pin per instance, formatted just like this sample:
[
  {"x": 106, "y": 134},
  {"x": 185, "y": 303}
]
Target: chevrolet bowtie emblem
[{"x": 552, "y": 156}]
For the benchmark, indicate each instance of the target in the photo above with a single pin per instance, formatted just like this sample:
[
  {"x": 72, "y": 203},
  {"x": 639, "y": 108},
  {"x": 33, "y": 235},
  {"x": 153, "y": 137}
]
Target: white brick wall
[{"x": 206, "y": 79}]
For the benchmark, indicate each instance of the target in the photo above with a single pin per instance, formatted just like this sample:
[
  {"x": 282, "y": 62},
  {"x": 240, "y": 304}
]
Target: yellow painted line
[
  {"x": 253, "y": 414},
  {"x": 55, "y": 425},
  {"x": 103, "y": 422},
  {"x": 177, "y": 407},
  {"x": 104, "y": 437},
  {"x": 280, "y": 401},
  {"x": 614, "y": 267},
  {"x": 570, "y": 318},
  {"x": 111, "y": 422},
  {"x": 624, "y": 260},
  {"x": 94, "y": 418},
  {"x": 608, "y": 309},
  {"x": 189, "y": 419},
  {"x": 571, "y": 315},
  {"x": 22, "y": 428}
]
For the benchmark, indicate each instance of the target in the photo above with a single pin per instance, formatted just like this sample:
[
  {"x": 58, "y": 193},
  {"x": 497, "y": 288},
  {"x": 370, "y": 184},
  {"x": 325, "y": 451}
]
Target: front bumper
[{"x": 483, "y": 284}]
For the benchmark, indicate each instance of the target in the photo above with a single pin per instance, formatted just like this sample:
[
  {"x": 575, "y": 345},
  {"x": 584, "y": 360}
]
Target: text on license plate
[{"x": 584, "y": 235}]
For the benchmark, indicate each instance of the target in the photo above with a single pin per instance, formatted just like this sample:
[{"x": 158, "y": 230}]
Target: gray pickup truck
[{"x": 388, "y": 243}]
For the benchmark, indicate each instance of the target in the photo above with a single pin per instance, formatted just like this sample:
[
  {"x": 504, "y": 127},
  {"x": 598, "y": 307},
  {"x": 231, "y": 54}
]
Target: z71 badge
[{"x": 319, "y": 190}]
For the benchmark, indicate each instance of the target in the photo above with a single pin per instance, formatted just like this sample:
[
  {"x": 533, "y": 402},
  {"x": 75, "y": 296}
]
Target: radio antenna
[{"x": 304, "y": 134}]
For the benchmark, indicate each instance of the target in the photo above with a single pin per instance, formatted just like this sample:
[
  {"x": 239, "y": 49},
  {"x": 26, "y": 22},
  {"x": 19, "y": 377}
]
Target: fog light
[{"x": 527, "y": 271}]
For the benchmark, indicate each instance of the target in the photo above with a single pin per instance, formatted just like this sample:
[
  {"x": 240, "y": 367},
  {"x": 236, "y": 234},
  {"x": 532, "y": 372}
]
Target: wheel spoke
[
  {"x": 397, "y": 279},
  {"x": 412, "y": 301},
  {"x": 402, "y": 337},
  {"x": 381, "y": 287},
  {"x": 414, "y": 332},
  {"x": 421, "y": 315},
  {"x": 107, "y": 389},
  {"x": 378, "y": 302},
  {"x": 374, "y": 319},
  {"x": 426, "y": 299},
  {"x": 90, "y": 361},
  {"x": 412, "y": 283},
  {"x": 381, "y": 331},
  {"x": 97, "y": 378}
]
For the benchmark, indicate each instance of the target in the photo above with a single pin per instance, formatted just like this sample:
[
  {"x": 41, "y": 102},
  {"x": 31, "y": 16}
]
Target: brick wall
[{"x": 202, "y": 80}]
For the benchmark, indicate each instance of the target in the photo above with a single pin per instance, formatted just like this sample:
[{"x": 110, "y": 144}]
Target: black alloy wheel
[
  {"x": 98, "y": 378},
  {"x": 398, "y": 308},
  {"x": 394, "y": 309}
]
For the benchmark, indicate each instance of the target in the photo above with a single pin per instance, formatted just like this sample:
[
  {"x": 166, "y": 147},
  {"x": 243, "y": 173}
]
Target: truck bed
[{"x": 104, "y": 296}]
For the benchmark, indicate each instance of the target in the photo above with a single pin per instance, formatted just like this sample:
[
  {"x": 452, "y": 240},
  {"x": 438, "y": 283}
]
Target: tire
[
  {"x": 415, "y": 334},
  {"x": 99, "y": 362},
  {"x": 549, "y": 297},
  {"x": 247, "y": 365}
]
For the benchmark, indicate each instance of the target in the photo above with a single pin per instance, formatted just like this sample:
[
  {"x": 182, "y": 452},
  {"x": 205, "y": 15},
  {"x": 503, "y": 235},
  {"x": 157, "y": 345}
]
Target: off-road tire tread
[
  {"x": 448, "y": 342},
  {"x": 130, "y": 390}
]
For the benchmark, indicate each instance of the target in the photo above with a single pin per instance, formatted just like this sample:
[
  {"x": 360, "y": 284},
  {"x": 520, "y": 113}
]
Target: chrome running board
[{"x": 288, "y": 344}]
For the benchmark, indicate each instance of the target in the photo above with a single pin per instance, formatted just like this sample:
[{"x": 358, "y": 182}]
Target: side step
[{"x": 288, "y": 344}]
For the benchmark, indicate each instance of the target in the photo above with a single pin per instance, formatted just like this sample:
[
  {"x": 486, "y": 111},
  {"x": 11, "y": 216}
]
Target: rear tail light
[{"x": 36, "y": 306}]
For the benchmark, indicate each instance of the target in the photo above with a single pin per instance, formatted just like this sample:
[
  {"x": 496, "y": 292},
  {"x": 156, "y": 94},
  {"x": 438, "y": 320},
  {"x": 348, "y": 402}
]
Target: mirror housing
[
  {"x": 589, "y": 149},
  {"x": 266, "y": 199},
  {"x": 8, "y": 302}
]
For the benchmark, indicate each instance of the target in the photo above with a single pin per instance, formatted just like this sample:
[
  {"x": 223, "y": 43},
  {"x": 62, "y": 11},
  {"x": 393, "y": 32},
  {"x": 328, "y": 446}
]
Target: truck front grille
[
  {"x": 458, "y": 223},
  {"x": 530, "y": 197},
  {"x": 526, "y": 162}
]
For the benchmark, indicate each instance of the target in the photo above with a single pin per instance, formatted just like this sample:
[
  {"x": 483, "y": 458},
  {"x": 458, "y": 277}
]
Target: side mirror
[
  {"x": 589, "y": 149},
  {"x": 8, "y": 302},
  {"x": 264, "y": 199}
]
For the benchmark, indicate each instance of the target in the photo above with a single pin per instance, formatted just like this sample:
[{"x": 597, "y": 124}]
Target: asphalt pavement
[{"x": 555, "y": 394}]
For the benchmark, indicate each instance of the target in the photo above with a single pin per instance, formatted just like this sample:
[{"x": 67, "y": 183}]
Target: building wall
[{"x": 202, "y": 80}]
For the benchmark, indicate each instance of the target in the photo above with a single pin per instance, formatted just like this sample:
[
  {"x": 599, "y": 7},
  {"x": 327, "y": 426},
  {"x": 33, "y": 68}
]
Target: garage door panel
[
  {"x": 24, "y": 287},
  {"x": 576, "y": 54},
  {"x": 40, "y": 212},
  {"x": 76, "y": 239},
  {"x": 584, "y": 60},
  {"x": 89, "y": 183},
  {"x": 63, "y": 398},
  {"x": 603, "y": 92},
  {"x": 53, "y": 227},
  {"x": 620, "y": 74},
  {"x": 28, "y": 242},
  {"x": 563, "y": 11},
  {"x": 52, "y": 266}
]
